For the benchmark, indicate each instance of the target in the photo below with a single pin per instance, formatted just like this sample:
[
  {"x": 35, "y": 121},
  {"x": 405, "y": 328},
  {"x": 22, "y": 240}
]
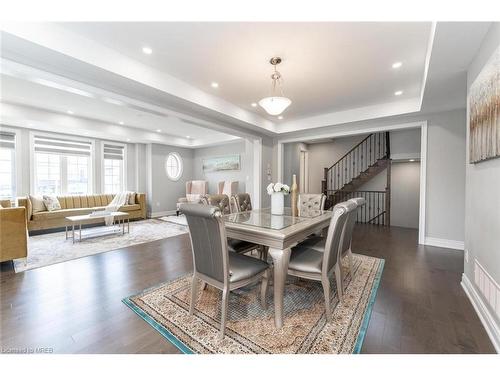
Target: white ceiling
[
  {"x": 326, "y": 67},
  {"x": 333, "y": 72}
]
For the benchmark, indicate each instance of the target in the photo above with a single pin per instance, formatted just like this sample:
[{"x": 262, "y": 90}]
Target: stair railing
[{"x": 357, "y": 160}]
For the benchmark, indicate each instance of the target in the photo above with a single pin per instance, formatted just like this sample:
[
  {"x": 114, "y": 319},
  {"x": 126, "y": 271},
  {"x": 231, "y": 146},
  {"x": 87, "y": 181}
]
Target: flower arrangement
[{"x": 277, "y": 187}]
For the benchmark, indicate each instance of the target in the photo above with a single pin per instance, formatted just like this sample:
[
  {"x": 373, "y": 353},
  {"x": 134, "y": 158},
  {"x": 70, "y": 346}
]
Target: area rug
[
  {"x": 47, "y": 249},
  {"x": 180, "y": 220},
  {"x": 250, "y": 328}
]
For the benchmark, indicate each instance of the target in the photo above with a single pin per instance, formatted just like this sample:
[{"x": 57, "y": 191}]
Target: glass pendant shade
[{"x": 275, "y": 105}]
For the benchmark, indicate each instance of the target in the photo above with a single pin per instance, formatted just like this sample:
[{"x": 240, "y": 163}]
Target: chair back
[
  {"x": 331, "y": 252},
  {"x": 242, "y": 202},
  {"x": 310, "y": 202},
  {"x": 228, "y": 187},
  {"x": 208, "y": 241},
  {"x": 346, "y": 238},
  {"x": 197, "y": 187},
  {"x": 221, "y": 201}
]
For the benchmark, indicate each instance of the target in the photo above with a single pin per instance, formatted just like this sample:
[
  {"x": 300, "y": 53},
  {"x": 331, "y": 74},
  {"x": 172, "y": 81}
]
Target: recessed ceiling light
[
  {"x": 280, "y": 117},
  {"x": 412, "y": 159},
  {"x": 214, "y": 85},
  {"x": 70, "y": 112},
  {"x": 158, "y": 130},
  {"x": 147, "y": 50},
  {"x": 397, "y": 65},
  {"x": 121, "y": 123},
  {"x": 254, "y": 104},
  {"x": 399, "y": 92},
  {"x": 128, "y": 139},
  {"x": 188, "y": 136}
]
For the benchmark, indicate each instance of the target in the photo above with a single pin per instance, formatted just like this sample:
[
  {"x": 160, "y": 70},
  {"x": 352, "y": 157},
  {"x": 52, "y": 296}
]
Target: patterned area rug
[
  {"x": 250, "y": 328},
  {"x": 47, "y": 249},
  {"x": 181, "y": 219}
]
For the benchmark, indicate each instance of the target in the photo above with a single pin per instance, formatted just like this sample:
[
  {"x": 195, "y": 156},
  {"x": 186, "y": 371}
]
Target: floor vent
[{"x": 488, "y": 287}]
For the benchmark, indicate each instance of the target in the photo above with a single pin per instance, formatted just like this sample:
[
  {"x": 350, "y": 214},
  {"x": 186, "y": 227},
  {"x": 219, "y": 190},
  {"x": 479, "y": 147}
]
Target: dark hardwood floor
[{"x": 75, "y": 307}]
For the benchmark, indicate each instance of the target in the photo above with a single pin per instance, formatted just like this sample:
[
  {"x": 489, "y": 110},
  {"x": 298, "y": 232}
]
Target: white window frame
[
  {"x": 18, "y": 160},
  {"x": 124, "y": 174},
  {"x": 69, "y": 138},
  {"x": 181, "y": 165}
]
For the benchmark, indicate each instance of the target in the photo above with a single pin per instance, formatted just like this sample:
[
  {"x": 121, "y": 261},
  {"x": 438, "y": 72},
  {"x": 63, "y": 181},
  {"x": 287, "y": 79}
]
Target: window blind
[
  {"x": 62, "y": 146},
  {"x": 7, "y": 140},
  {"x": 113, "y": 151}
]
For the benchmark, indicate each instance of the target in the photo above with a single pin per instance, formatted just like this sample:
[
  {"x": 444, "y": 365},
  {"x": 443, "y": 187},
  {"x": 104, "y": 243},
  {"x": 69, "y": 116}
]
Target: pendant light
[{"x": 275, "y": 104}]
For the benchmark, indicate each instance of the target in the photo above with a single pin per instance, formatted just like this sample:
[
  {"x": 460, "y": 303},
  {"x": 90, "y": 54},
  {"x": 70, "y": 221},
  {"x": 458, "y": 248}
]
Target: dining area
[{"x": 308, "y": 243}]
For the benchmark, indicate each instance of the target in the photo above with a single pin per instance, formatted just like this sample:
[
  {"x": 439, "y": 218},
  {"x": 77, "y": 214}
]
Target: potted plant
[{"x": 277, "y": 192}]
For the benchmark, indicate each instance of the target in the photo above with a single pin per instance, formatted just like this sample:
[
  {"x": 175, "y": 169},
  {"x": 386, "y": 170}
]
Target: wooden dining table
[{"x": 280, "y": 233}]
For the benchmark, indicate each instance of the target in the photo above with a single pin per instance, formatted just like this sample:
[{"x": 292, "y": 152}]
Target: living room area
[{"x": 285, "y": 187}]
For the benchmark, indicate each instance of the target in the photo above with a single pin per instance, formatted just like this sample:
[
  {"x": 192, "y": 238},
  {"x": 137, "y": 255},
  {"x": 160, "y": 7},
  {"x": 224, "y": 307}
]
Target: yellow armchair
[{"x": 13, "y": 232}]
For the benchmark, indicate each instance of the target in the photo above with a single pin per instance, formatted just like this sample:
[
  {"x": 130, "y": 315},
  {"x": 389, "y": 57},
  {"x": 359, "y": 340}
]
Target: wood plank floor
[{"x": 75, "y": 307}]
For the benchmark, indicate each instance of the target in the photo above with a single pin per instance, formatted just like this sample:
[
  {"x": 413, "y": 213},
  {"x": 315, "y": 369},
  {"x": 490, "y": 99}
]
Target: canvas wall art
[
  {"x": 221, "y": 163},
  {"x": 484, "y": 112}
]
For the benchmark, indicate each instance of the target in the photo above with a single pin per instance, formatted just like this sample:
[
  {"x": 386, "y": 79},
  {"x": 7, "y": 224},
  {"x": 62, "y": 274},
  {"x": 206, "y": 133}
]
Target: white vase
[{"x": 277, "y": 203}]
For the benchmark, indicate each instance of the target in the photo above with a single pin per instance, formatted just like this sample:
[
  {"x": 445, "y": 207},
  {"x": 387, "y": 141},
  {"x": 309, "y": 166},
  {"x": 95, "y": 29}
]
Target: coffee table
[{"x": 118, "y": 218}]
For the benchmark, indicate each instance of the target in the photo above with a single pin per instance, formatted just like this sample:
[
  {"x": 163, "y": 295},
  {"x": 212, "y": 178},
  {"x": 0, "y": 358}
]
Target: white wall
[{"x": 482, "y": 197}]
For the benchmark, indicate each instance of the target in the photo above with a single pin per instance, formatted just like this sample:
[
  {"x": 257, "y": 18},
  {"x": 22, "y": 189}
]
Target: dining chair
[
  {"x": 221, "y": 201},
  {"x": 242, "y": 203},
  {"x": 213, "y": 264},
  {"x": 308, "y": 202},
  {"x": 308, "y": 263},
  {"x": 346, "y": 247}
]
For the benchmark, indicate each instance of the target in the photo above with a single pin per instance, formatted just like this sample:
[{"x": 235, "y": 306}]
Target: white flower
[
  {"x": 285, "y": 189},
  {"x": 277, "y": 187},
  {"x": 270, "y": 188}
]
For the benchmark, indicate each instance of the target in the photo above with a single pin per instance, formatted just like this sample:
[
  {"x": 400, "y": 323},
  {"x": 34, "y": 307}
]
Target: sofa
[
  {"x": 13, "y": 233},
  {"x": 78, "y": 205}
]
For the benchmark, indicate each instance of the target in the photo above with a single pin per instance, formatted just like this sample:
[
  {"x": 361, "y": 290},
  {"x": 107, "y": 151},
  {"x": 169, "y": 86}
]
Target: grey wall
[
  {"x": 163, "y": 192},
  {"x": 482, "y": 235},
  {"x": 243, "y": 176},
  {"x": 405, "y": 194},
  {"x": 445, "y": 183}
]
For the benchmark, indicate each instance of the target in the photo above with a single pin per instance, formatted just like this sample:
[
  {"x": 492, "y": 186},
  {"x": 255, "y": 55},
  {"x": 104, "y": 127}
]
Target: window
[
  {"x": 62, "y": 166},
  {"x": 113, "y": 166},
  {"x": 173, "y": 166},
  {"x": 7, "y": 165}
]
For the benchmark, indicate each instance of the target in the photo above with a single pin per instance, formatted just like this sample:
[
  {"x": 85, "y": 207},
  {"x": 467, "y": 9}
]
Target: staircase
[{"x": 364, "y": 161}]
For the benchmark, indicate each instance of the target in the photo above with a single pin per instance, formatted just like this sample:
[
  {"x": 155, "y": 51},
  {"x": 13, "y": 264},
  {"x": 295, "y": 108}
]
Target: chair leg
[
  {"x": 338, "y": 278},
  {"x": 263, "y": 289},
  {"x": 264, "y": 250},
  {"x": 326, "y": 290},
  {"x": 194, "y": 294},
  {"x": 225, "y": 302}
]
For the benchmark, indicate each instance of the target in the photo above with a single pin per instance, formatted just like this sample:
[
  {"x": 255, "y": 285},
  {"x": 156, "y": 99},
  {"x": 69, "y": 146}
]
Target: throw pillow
[
  {"x": 37, "y": 204},
  {"x": 51, "y": 202},
  {"x": 131, "y": 198}
]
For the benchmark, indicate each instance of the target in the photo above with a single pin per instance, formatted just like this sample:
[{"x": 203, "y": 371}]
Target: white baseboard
[
  {"x": 442, "y": 242},
  {"x": 489, "y": 323},
  {"x": 156, "y": 214}
]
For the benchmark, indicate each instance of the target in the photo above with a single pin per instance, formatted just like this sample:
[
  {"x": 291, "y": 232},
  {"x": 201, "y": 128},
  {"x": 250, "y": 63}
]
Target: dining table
[{"x": 280, "y": 233}]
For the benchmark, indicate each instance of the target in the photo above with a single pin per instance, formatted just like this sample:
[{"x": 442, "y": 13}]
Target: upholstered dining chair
[
  {"x": 309, "y": 263},
  {"x": 346, "y": 243},
  {"x": 308, "y": 202},
  {"x": 194, "y": 192},
  {"x": 221, "y": 201},
  {"x": 212, "y": 262},
  {"x": 227, "y": 187}
]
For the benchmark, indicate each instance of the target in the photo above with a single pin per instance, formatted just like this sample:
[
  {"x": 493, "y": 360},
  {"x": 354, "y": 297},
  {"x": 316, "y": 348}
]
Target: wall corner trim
[
  {"x": 442, "y": 242},
  {"x": 488, "y": 321}
]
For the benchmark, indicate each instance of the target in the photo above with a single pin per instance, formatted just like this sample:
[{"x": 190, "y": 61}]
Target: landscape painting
[
  {"x": 221, "y": 163},
  {"x": 484, "y": 112}
]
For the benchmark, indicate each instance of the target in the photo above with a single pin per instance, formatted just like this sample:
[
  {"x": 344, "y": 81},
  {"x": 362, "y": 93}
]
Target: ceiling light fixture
[
  {"x": 121, "y": 123},
  {"x": 274, "y": 105},
  {"x": 70, "y": 112},
  {"x": 214, "y": 85},
  {"x": 397, "y": 65},
  {"x": 128, "y": 139},
  {"x": 280, "y": 117},
  {"x": 147, "y": 50},
  {"x": 188, "y": 136},
  {"x": 254, "y": 104},
  {"x": 412, "y": 159},
  {"x": 158, "y": 130},
  {"x": 399, "y": 92}
]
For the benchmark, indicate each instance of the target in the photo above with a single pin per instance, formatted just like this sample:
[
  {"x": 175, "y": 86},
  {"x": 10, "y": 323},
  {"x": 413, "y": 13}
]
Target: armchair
[
  {"x": 229, "y": 188},
  {"x": 13, "y": 232},
  {"x": 195, "y": 190}
]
